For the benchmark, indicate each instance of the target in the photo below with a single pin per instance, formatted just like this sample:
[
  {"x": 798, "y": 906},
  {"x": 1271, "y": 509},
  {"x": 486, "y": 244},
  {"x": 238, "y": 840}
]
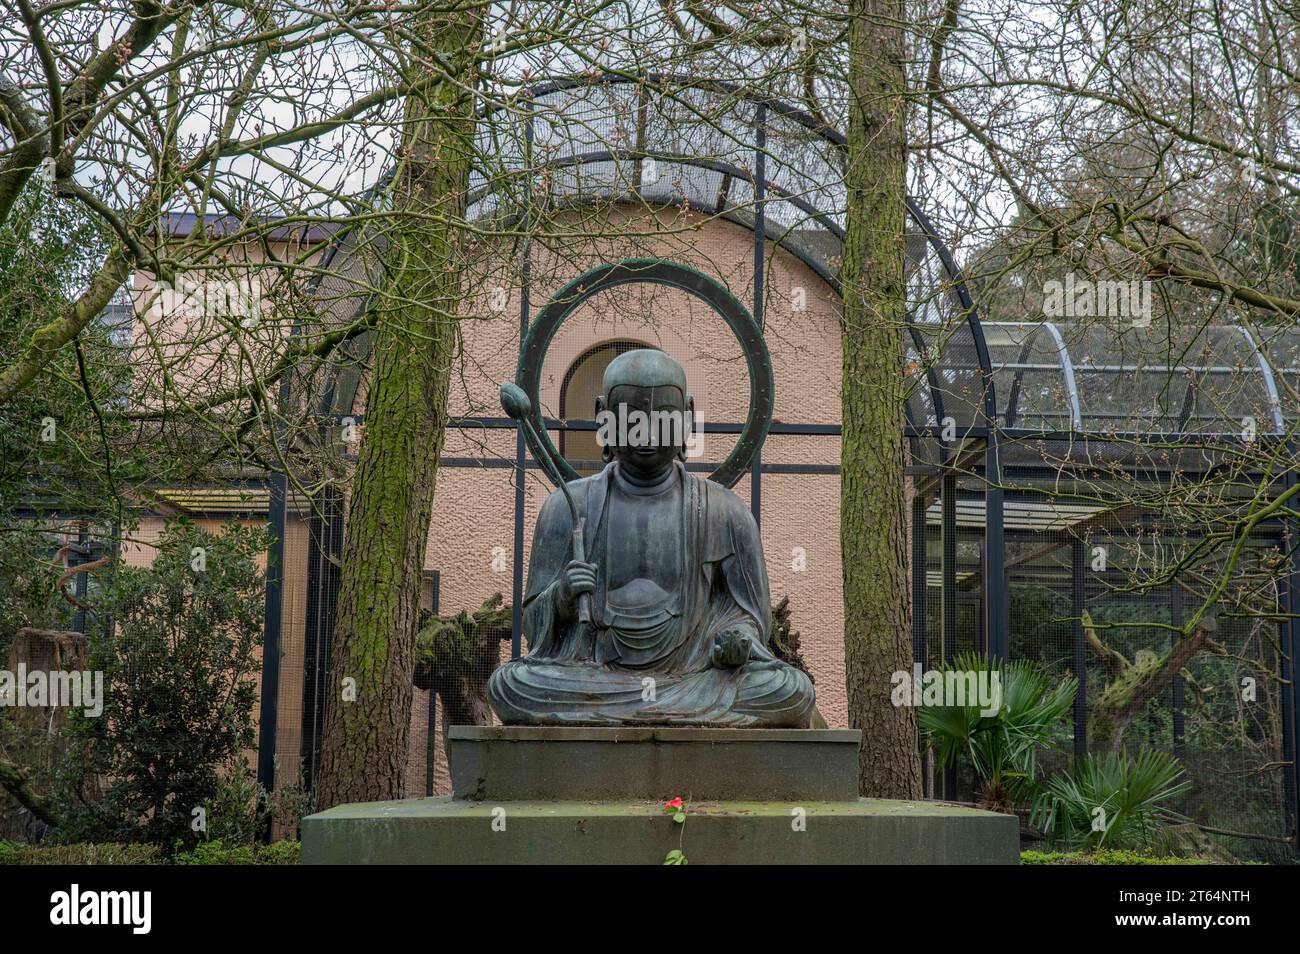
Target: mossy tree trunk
[
  {"x": 873, "y": 505},
  {"x": 372, "y": 657}
]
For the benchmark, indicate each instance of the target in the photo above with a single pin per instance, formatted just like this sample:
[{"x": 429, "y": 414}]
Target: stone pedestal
[
  {"x": 524, "y": 763},
  {"x": 595, "y": 796}
]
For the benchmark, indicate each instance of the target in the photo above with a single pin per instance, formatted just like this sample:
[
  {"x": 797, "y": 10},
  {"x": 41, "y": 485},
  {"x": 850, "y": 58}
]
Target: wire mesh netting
[{"x": 1082, "y": 604}]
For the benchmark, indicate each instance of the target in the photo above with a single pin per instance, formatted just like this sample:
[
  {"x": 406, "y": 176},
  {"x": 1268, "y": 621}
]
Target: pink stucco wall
[
  {"x": 472, "y": 529},
  {"x": 471, "y": 534}
]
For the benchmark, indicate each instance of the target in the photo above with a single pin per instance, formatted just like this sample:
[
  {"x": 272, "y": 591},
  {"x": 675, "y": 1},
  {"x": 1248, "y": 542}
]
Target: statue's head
[{"x": 644, "y": 412}]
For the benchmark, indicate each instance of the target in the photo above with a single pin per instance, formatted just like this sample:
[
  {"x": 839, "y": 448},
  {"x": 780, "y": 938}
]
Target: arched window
[{"x": 578, "y": 395}]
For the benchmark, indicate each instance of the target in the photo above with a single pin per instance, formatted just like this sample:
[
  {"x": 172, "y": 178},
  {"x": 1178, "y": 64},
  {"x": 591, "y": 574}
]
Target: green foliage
[
  {"x": 206, "y": 853},
  {"x": 79, "y": 854},
  {"x": 1221, "y": 732},
  {"x": 1113, "y": 800},
  {"x": 52, "y": 440},
  {"x": 27, "y": 578},
  {"x": 235, "y": 809},
  {"x": 1104, "y": 856},
  {"x": 218, "y": 853},
  {"x": 28, "y": 598},
  {"x": 1039, "y": 625},
  {"x": 179, "y": 693},
  {"x": 241, "y": 809},
  {"x": 1002, "y": 747}
]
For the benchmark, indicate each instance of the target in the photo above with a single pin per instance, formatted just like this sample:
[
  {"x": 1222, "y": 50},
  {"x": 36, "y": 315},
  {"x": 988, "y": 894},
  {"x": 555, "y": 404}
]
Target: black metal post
[
  {"x": 760, "y": 211},
  {"x": 919, "y": 610},
  {"x": 948, "y": 633},
  {"x": 1290, "y": 633},
  {"x": 521, "y": 450},
  {"x": 996, "y": 604},
  {"x": 271, "y": 644},
  {"x": 325, "y": 547},
  {"x": 1078, "y": 596},
  {"x": 431, "y": 733},
  {"x": 1176, "y": 619}
]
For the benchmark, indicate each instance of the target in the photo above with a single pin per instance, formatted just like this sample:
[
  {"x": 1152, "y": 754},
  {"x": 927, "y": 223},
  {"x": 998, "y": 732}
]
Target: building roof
[{"x": 182, "y": 224}]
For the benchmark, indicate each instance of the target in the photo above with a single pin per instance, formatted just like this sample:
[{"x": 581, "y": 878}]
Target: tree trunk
[
  {"x": 873, "y": 506},
  {"x": 372, "y": 657}
]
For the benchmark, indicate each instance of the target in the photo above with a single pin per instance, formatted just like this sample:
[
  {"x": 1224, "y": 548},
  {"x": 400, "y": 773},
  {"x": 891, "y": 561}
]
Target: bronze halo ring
[{"x": 541, "y": 332}]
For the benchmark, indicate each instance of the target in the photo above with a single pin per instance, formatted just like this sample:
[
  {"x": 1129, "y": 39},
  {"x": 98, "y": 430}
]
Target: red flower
[{"x": 674, "y": 806}]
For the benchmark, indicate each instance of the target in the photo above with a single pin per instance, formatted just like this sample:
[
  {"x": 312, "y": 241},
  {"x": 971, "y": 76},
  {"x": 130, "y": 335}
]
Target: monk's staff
[{"x": 520, "y": 409}]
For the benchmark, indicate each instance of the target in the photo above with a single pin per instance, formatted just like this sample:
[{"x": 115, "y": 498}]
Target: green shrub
[
  {"x": 1103, "y": 857},
  {"x": 1002, "y": 747},
  {"x": 216, "y": 853},
  {"x": 205, "y": 853},
  {"x": 79, "y": 854},
  {"x": 1112, "y": 800},
  {"x": 240, "y": 808},
  {"x": 180, "y": 677},
  {"x": 280, "y": 853}
]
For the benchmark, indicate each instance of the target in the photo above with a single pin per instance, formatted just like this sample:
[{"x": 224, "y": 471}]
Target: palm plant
[
  {"x": 1002, "y": 747},
  {"x": 1112, "y": 799}
]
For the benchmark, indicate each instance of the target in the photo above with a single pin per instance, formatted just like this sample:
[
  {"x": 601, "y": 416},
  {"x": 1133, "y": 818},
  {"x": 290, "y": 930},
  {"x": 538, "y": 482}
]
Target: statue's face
[{"x": 650, "y": 426}]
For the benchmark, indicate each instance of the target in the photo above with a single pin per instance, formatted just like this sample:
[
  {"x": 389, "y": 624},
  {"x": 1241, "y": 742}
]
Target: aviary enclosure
[{"x": 1080, "y": 491}]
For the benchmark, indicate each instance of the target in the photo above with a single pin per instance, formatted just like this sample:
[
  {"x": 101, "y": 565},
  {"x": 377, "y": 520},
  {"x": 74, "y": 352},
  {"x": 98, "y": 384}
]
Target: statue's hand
[
  {"x": 730, "y": 649},
  {"x": 577, "y": 578}
]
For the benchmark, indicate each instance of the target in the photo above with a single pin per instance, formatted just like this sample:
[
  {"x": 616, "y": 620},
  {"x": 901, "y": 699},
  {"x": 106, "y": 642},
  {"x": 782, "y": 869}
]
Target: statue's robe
[{"x": 679, "y": 570}]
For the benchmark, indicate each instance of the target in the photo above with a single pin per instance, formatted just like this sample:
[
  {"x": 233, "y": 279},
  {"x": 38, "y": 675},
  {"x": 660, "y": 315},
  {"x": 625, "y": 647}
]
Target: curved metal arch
[
  {"x": 1270, "y": 382},
  {"x": 772, "y": 233},
  {"x": 666, "y": 81},
  {"x": 712, "y": 165},
  {"x": 665, "y": 84},
  {"x": 968, "y": 305},
  {"x": 1067, "y": 371},
  {"x": 1068, "y": 376},
  {"x": 1266, "y": 374}
]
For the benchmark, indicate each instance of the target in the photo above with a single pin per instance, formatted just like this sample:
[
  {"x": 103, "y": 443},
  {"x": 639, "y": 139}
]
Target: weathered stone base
[
  {"x": 458, "y": 831},
  {"x": 530, "y": 763}
]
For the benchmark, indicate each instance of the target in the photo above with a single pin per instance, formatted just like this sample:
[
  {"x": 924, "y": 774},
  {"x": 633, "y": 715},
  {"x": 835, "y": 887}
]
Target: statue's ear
[
  {"x": 606, "y": 451},
  {"x": 686, "y": 432}
]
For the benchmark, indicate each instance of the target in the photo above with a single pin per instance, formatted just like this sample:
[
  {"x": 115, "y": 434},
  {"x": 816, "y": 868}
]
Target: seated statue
[{"x": 674, "y": 575}]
